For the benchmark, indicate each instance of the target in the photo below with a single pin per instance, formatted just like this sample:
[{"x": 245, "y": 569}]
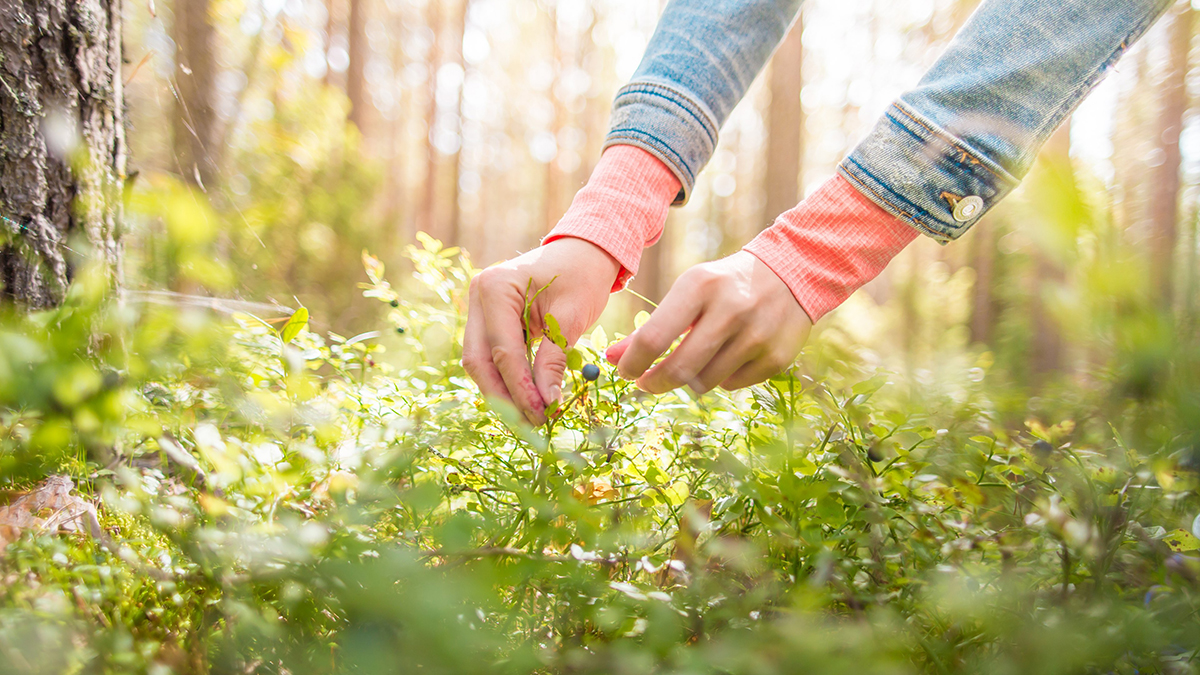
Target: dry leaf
[
  {"x": 50, "y": 507},
  {"x": 595, "y": 490}
]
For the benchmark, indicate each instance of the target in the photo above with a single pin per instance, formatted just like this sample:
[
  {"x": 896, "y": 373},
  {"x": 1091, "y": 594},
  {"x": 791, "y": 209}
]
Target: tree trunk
[
  {"x": 984, "y": 240},
  {"x": 197, "y": 137},
  {"x": 785, "y": 125},
  {"x": 1047, "y": 350},
  {"x": 330, "y": 27},
  {"x": 356, "y": 82},
  {"x": 62, "y": 143},
  {"x": 396, "y": 215},
  {"x": 454, "y": 223},
  {"x": 1164, "y": 188},
  {"x": 427, "y": 216}
]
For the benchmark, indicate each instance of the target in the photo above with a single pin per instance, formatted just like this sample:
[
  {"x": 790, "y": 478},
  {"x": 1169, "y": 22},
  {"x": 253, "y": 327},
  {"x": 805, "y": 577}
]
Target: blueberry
[
  {"x": 400, "y": 330},
  {"x": 395, "y": 303},
  {"x": 590, "y": 372}
]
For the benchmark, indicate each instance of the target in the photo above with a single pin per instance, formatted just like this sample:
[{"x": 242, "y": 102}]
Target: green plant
[{"x": 283, "y": 502}]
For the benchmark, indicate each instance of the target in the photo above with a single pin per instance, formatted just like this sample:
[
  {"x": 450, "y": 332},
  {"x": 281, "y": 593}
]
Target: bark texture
[{"x": 62, "y": 143}]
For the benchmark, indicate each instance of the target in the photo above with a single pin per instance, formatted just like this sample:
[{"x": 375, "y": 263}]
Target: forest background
[{"x": 319, "y": 128}]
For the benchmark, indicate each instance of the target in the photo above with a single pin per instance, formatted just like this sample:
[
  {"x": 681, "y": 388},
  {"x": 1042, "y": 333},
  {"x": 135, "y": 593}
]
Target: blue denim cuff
[
  {"x": 667, "y": 122},
  {"x": 924, "y": 175}
]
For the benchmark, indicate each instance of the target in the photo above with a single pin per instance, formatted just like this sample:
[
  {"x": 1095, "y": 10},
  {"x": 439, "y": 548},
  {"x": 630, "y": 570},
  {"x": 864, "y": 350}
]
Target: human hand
[
  {"x": 576, "y": 276},
  {"x": 745, "y": 326}
]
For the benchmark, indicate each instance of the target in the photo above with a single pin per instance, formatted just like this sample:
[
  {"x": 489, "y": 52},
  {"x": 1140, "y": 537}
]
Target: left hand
[{"x": 742, "y": 322}]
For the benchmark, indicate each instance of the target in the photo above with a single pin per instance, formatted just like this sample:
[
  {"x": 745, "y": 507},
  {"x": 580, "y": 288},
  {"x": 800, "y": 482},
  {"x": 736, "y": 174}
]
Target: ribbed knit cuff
[
  {"x": 622, "y": 208},
  {"x": 830, "y": 245}
]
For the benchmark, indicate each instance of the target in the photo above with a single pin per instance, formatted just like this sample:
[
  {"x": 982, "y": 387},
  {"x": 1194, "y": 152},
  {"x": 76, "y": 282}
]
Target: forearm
[
  {"x": 622, "y": 208},
  {"x": 699, "y": 63},
  {"x": 955, "y": 145},
  {"x": 830, "y": 245}
]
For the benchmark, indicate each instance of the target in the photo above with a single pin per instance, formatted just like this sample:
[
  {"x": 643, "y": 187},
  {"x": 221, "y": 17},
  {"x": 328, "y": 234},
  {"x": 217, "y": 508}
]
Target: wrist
[
  {"x": 830, "y": 245},
  {"x": 622, "y": 208},
  {"x": 584, "y": 258}
]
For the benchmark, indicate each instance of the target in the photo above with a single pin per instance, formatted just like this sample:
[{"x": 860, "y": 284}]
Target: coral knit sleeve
[
  {"x": 622, "y": 208},
  {"x": 830, "y": 245},
  {"x": 824, "y": 249}
]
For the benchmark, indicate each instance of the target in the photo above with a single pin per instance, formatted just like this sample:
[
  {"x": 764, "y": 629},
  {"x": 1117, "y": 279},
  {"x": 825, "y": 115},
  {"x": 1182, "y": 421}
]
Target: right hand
[{"x": 578, "y": 276}]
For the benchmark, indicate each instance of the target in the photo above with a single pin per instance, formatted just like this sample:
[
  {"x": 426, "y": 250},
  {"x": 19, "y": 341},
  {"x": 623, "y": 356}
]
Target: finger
[
  {"x": 682, "y": 365},
  {"x": 502, "y": 306},
  {"x": 614, "y": 353},
  {"x": 677, "y": 312},
  {"x": 727, "y": 361},
  {"x": 477, "y": 356},
  {"x": 549, "y": 366},
  {"x": 754, "y": 372}
]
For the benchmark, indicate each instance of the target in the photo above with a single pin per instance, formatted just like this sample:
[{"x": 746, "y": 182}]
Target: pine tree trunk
[
  {"x": 395, "y": 213},
  {"x": 1047, "y": 349},
  {"x": 197, "y": 137},
  {"x": 62, "y": 143},
  {"x": 1164, "y": 200},
  {"x": 356, "y": 81},
  {"x": 984, "y": 241},
  {"x": 427, "y": 212},
  {"x": 785, "y": 124},
  {"x": 454, "y": 222}
]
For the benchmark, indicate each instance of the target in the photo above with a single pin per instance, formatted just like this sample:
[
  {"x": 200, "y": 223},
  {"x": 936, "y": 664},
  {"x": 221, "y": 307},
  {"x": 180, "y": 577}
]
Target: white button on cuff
[{"x": 968, "y": 208}]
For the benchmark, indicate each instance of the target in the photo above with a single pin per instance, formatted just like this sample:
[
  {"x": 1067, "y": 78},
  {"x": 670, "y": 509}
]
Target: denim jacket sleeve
[
  {"x": 699, "y": 63},
  {"x": 946, "y": 151},
  {"x": 951, "y": 148}
]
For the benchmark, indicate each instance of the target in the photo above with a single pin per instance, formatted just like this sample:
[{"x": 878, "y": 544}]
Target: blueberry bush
[{"x": 271, "y": 500}]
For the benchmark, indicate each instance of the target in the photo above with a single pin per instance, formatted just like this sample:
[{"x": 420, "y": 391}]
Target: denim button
[{"x": 967, "y": 208}]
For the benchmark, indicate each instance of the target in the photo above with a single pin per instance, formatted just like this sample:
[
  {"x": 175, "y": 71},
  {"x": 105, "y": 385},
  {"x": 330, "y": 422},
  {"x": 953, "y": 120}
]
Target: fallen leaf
[{"x": 50, "y": 507}]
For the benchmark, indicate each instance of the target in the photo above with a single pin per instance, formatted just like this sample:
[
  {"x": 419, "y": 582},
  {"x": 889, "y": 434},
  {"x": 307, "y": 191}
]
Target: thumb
[{"x": 549, "y": 366}]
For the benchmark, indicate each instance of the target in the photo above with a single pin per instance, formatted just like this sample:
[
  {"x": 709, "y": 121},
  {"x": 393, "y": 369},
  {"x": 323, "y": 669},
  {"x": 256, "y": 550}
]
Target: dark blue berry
[
  {"x": 395, "y": 303},
  {"x": 590, "y": 372}
]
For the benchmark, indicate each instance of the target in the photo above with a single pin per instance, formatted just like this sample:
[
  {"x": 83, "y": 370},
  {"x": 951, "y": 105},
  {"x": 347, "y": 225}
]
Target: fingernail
[{"x": 555, "y": 395}]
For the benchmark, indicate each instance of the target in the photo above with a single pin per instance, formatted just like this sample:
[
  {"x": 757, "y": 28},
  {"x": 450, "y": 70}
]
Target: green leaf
[
  {"x": 553, "y": 332},
  {"x": 1181, "y": 540},
  {"x": 641, "y": 319},
  {"x": 294, "y": 325},
  {"x": 599, "y": 339},
  {"x": 868, "y": 387},
  {"x": 574, "y": 359}
]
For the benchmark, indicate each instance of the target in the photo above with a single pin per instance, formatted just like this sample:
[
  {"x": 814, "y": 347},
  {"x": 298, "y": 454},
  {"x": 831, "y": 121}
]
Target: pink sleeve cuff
[
  {"x": 830, "y": 245},
  {"x": 622, "y": 208}
]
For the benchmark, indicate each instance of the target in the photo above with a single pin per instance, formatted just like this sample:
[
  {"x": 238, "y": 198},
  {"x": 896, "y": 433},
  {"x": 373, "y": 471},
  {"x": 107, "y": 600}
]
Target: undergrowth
[{"x": 283, "y": 502}]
